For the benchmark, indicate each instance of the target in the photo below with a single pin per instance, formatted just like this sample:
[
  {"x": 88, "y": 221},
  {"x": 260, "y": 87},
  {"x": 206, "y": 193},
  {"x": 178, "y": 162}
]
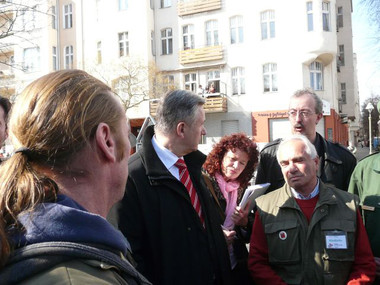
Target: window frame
[
  {"x": 54, "y": 17},
  {"x": 310, "y": 16},
  {"x": 326, "y": 21},
  {"x": 188, "y": 37},
  {"x": 238, "y": 80},
  {"x": 213, "y": 77},
  {"x": 236, "y": 29},
  {"x": 55, "y": 58},
  {"x": 339, "y": 17},
  {"x": 270, "y": 76},
  {"x": 343, "y": 92},
  {"x": 123, "y": 5},
  {"x": 68, "y": 16},
  {"x": 99, "y": 52},
  {"x": 31, "y": 59},
  {"x": 212, "y": 32},
  {"x": 268, "y": 23},
  {"x": 166, "y": 41},
  {"x": 342, "y": 60},
  {"x": 191, "y": 82},
  {"x": 123, "y": 38},
  {"x": 69, "y": 57},
  {"x": 316, "y": 75},
  {"x": 165, "y": 3}
]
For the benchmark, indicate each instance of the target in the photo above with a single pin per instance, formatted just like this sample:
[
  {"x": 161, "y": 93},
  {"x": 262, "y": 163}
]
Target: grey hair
[
  {"x": 309, "y": 147},
  {"x": 177, "y": 106},
  {"x": 317, "y": 100}
]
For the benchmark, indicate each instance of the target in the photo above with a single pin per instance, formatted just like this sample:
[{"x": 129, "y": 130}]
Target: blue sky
[{"x": 368, "y": 53}]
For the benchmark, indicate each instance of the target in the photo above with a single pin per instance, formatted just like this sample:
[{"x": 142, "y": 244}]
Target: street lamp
[{"x": 369, "y": 108}]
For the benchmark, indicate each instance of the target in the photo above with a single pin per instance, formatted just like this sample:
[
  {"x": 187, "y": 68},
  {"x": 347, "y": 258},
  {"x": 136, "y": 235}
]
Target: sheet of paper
[{"x": 251, "y": 193}]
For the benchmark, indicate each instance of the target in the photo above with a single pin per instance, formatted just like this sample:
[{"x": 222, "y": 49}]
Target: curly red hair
[{"x": 232, "y": 142}]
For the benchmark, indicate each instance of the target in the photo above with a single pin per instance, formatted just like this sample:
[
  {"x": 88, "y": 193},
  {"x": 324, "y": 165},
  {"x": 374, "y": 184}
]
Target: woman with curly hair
[{"x": 228, "y": 169}]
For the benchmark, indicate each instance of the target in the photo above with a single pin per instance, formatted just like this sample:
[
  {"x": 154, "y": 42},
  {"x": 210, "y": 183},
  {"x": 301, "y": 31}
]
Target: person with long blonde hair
[{"x": 69, "y": 168}]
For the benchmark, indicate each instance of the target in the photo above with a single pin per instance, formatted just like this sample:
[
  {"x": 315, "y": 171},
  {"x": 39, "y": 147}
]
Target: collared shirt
[
  {"x": 167, "y": 157},
  {"x": 310, "y": 196}
]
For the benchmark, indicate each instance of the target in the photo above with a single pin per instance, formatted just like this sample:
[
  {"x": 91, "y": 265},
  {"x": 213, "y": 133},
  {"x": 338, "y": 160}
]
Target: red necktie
[{"x": 185, "y": 179}]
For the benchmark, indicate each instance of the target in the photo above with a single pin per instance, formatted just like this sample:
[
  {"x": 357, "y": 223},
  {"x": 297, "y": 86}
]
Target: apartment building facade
[{"x": 246, "y": 58}]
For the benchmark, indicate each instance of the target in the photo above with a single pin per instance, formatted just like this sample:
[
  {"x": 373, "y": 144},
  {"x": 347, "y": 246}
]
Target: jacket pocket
[
  {"x": 342, "y": 229},
  {"x": 283, "y": 242},
  {"x": 338, "y": 259}
]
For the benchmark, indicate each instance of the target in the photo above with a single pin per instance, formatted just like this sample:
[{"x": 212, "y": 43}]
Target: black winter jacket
[
  {"x": 336, "y": 166},
  {"x": 168, "y": 241}
]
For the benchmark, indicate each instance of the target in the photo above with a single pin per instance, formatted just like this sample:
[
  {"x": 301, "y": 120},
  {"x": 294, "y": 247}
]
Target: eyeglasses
[{"x": 302, "y": 113}]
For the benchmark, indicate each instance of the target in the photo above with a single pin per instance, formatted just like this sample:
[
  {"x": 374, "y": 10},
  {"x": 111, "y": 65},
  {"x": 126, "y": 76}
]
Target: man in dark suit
[{"x": 174, "y": 232}]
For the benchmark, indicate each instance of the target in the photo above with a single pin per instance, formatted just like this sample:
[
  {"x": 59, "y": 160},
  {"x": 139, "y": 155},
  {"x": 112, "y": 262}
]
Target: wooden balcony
[
  {"x": 197, "y": 6},
  {"x": 216, "y": 103},
  {"x": 201, "y": 54}
]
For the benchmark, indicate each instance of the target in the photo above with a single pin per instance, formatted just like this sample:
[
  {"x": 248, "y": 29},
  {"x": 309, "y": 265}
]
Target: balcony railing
[
  {"x": 197, "y": 6},
  {"x": 215, "y": 103},
  {"x": 200, "y": 54}
]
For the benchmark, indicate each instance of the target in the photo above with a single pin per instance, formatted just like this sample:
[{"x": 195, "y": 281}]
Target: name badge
[{"x": 336, "y": 240}]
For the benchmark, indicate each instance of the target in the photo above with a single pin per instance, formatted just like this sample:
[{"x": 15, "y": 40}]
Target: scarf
[{"x": 230, "y": 193}]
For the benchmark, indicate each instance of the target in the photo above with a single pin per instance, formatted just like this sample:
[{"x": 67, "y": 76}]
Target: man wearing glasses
[{"x": 336, "y": 161}]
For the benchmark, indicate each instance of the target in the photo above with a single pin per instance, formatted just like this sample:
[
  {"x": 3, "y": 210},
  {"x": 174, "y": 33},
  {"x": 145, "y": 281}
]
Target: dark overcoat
[{"x": 169, "y": 243}]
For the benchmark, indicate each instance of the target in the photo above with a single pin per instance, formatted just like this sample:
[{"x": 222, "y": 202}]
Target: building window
[
  {"x": 238, "y": 80},
  {"x": 69, "y": 57},
  {"x": 310, "y": 20},
  {"x": 268, "y": 29},
  {"x": 343, "y": 93},
  {"x": 191, "y": 82},
  {"x": 212, "y": 34},
  {"x": 54, "y": 54},
  {"x": 188, "y": 37},
  {"x": 236, "y": 29},
  {"x": 123, "y": 5},
  {"x": 316, "y": 78},
  {"x": 270, "y": 77},
  {"x": 152, "y": 43},
  {"x": 99, "y": 52},
  {"x": 123, "y": 44},
  {"x": 326, "y": 16},
  {"x": 53, "y": 17},
  {"x": 340, "y": 17},
  {"x": 67, "y": 16},
  {"x": 167, "y": 41},
  {"x": 341, "y": 55},
  {"x": 168, "y": 82},
  {"x": 29, "y": 18},
  {"x": 166, "y": 3},
  {"x": 31, "y": 59},
  {"x": 213, "y": 82}
]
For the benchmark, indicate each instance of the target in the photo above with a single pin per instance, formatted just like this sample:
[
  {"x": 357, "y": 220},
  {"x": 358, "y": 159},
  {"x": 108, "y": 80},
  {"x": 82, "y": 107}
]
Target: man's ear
[
  {"x": 181, "y": 129},
  {"x": 105, "y": 143},
  {"x": 316, "y": 160},
  {"x": 319, "y": 117}
]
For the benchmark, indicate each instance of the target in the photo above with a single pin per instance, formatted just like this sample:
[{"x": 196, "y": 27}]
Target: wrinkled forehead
[
  {"x": 292, "y": 149},
  {"x": 304, "y": 102}
]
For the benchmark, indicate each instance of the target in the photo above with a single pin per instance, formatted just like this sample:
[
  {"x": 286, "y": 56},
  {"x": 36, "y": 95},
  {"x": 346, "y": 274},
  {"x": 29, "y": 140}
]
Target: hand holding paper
[{"x": 251, "y": 193}]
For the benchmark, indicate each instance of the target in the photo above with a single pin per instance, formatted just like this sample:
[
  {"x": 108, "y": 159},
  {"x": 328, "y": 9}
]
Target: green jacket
[
  {"x": 297, "y": 250},
  {"x": 365, "y": 182}
]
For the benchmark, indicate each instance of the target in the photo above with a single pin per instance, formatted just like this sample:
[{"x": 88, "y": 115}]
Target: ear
[
  {"x": 319, "y": 117},
  {"x": 181, "y": 129},
  {"x": 105, "y": 143},
  {"x": 316, "y": 160}
]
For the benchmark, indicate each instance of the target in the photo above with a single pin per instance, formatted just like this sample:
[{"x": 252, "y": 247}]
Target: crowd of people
[{"x": 75, "y": 208}]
